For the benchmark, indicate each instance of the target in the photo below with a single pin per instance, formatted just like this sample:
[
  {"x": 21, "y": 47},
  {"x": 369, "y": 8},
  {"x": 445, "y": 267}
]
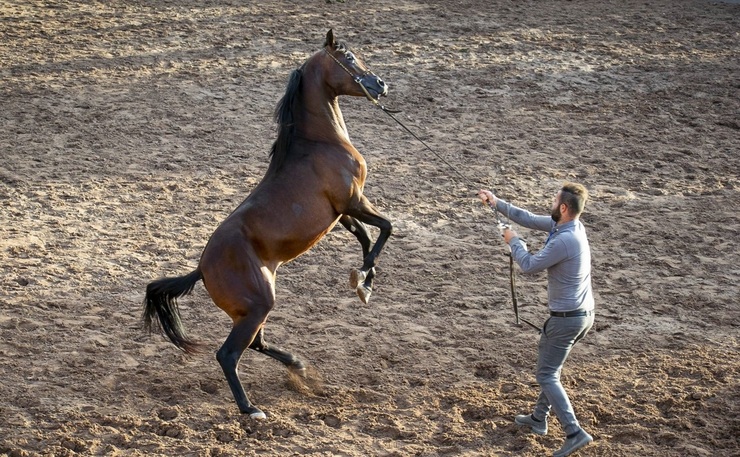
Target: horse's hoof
[
  {"x": 298, "y": 371},
  {"x": 258, "y": 415},
  {"x": 356, "y": 277},
  {"x": 364, "y": 294}
]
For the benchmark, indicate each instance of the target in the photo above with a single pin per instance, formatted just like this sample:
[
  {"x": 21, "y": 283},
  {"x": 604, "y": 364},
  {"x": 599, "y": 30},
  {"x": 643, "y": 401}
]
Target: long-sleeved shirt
[{"x": 566, "y": 257}]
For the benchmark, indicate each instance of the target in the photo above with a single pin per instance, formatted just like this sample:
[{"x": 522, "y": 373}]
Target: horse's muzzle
[{"x": 375, "y": 86}]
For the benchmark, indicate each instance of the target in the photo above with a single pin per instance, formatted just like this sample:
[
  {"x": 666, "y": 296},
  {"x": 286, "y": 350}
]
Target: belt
[{"x": 576, "y": 313}]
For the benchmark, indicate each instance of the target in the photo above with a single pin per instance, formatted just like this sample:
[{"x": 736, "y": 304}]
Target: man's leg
[
  {"x": 542, "y": 407},
  {"x": 556, "y": 342}
]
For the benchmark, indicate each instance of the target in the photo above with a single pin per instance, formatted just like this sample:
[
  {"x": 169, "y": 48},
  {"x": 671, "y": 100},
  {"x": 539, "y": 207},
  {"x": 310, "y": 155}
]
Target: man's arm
[
  {"x": 553, "y": 252},
  {"x": 524, "y": 217}
]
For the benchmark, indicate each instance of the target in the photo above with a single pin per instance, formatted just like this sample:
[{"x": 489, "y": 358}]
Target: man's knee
[{"x": 547, "y": 377}]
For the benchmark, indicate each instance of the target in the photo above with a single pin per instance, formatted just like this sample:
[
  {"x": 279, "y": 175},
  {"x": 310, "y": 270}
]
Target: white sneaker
[{"x": 538, "y": 427}]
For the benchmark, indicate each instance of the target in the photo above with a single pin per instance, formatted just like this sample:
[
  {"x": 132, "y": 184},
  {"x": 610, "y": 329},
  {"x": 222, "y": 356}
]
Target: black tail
[{"x": 161, "y": 300}]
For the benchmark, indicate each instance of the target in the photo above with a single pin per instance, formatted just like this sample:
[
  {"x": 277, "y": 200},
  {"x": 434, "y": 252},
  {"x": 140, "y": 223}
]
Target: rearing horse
[{"x": 315, "y": 179}]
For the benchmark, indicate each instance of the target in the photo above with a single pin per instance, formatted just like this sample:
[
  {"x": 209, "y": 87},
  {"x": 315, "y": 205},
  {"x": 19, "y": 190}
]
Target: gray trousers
[{"x": 558, "y": 337}]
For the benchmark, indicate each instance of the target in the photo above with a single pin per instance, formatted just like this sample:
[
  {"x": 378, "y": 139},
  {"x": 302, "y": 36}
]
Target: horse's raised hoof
[
  {"x": 364, "y": 293},
  {"x": 357, "y": 277}
]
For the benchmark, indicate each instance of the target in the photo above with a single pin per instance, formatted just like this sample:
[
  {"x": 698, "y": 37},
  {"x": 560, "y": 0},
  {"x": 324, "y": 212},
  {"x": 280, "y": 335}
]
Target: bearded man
[{"x": 567, "y": 258}]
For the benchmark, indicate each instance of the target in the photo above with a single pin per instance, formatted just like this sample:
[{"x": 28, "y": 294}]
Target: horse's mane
[{"x": 285, "y": 121}]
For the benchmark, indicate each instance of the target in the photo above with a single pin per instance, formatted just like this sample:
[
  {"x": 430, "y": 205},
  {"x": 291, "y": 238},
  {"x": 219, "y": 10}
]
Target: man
[{"x": 567, "y": 258}]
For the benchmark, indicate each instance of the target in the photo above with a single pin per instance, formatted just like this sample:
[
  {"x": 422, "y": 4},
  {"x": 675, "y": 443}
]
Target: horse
[{"x": 315, "y": 179}]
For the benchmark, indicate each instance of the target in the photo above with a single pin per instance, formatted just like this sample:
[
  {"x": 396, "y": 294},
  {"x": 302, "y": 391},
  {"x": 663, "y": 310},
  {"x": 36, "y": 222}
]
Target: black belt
[{"x": 576, "y": 313}]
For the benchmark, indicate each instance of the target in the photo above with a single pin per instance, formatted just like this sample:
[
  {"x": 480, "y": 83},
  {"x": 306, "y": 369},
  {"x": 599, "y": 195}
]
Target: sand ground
[{"x": 131, "y": 129}]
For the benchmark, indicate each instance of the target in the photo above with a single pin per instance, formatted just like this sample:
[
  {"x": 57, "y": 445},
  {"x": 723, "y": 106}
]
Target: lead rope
[{"x": 499, "y": 222}]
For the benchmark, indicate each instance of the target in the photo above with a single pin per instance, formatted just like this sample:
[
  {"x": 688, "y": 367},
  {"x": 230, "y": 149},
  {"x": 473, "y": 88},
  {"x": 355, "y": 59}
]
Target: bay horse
[{"x": 314, "y": 180}]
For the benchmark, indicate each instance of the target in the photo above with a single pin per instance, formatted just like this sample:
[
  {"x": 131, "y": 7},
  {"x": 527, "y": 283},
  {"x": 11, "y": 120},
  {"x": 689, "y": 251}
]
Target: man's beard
[{"x": 556, "y": 214}]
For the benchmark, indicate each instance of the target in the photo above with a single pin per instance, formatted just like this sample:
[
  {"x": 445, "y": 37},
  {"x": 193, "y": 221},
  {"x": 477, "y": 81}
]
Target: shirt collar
[{"x": 566, "y": 225}]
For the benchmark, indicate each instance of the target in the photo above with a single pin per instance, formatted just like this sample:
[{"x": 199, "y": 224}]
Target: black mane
[{"x": 284, "y": 118}]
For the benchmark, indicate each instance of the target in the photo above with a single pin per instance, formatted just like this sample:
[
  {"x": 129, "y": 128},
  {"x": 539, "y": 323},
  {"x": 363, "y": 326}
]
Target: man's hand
[
  {"x": 509, "y": 234},
  {"x": 487, "y": 197}
]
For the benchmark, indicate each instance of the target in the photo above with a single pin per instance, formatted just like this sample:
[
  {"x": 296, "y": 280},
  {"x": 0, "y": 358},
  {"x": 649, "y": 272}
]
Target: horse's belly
[
  {"x": 298, "y": 241},
  {"x": 279, "y": 228}
]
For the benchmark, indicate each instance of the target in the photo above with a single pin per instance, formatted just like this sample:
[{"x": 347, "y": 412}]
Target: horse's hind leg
[
  {"x": 292, "y": 362},
  {"x": 228, "y": 356}
]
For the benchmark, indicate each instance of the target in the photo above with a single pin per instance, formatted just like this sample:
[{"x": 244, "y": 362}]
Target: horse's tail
[{"x": 161, "y": 300}]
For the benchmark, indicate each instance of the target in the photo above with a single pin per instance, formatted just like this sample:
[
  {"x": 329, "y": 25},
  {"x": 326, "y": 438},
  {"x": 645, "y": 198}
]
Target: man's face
[{"x": 555, "y": 211}]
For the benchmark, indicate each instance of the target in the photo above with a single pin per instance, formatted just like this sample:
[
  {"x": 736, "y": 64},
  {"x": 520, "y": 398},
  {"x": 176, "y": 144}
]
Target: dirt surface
[{"x": 131, "y": 129}]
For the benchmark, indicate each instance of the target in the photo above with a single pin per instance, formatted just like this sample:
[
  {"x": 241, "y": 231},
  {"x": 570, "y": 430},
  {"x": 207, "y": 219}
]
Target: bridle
[
  {"x": 499, "y": 222},
  {"x": 356, "y": 78}
]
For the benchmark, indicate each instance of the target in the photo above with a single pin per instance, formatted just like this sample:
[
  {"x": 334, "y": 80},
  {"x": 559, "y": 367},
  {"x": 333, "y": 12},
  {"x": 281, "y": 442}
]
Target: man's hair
[{"x": 574, "y": 196}]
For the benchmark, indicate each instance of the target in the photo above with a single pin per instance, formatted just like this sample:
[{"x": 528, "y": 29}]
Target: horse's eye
[{"x": 350, "y": 57}]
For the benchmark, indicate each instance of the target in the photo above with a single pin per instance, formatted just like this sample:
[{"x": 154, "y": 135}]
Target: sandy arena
[{"x": 131, "y": 129}]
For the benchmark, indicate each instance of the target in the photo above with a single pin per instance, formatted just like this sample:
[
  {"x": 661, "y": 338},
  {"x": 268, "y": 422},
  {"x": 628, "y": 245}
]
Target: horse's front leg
[
  {"x": 364, "y": 286},
  {"x": 365, "y": 213}
]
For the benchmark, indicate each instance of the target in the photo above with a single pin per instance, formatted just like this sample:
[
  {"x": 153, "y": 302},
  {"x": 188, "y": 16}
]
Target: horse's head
[{"x": 348, "y": 74}]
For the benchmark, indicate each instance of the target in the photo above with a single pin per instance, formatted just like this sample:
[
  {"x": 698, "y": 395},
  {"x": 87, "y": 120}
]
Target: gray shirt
[{"x": 566, "y": 257}]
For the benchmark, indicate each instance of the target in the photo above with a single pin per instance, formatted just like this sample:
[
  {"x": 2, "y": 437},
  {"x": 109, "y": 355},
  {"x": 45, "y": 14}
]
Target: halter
[{"x": 356, "y": 78}]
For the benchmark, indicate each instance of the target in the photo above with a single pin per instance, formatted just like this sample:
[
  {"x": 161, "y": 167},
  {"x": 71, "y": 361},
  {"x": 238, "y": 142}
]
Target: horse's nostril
[{"x": 381, "y": 83}]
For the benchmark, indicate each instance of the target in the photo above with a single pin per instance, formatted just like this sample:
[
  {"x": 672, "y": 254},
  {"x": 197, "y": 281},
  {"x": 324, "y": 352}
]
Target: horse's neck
[
  {"x": 321, "y": 119},
  {"x": 340, "y": 119}
]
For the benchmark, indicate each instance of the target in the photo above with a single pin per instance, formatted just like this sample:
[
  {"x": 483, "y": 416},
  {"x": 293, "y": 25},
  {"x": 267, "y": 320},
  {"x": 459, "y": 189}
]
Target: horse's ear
[{"x": 330, "y": 39}]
